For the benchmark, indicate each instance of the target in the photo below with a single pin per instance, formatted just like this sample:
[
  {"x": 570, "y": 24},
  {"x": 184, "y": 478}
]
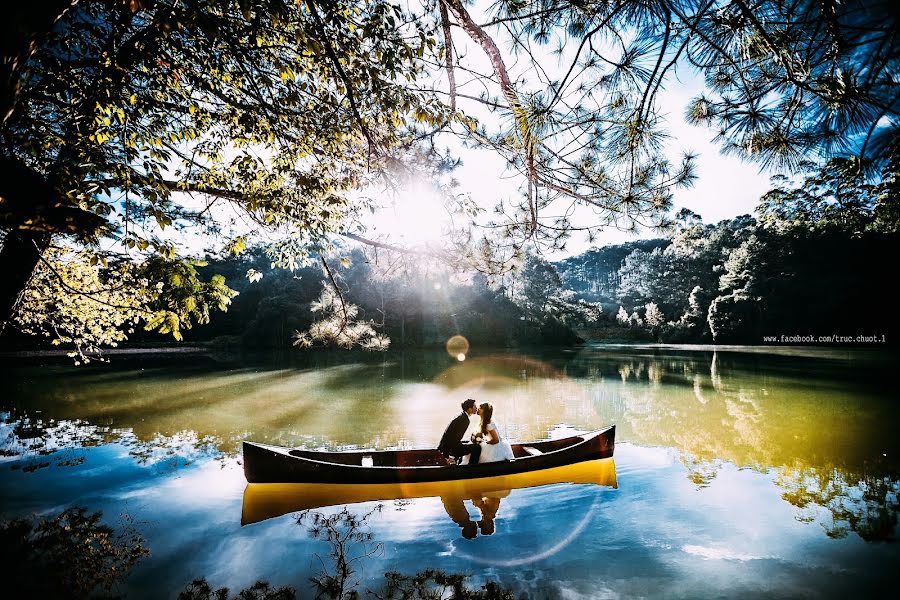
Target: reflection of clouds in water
[
  {"x": 178, "y": 450},
  {"x": 208, "y": 484},
  {"x": 712, "y": 408},
  {"x": 722, "y": 554},
  {"x": 32, "y": 444}
]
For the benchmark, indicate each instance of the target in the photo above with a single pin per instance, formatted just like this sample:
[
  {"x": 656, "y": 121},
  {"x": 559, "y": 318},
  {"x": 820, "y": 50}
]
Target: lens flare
[{"x": 458, "y": 346}]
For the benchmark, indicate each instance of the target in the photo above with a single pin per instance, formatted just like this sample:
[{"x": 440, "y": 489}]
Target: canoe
[
  {"x": 276, "y": 464},
  {"x": 263, "y": 501}
]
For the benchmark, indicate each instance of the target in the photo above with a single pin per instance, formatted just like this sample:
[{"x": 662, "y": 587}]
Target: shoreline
[
  {"x": 785, "y": 349},
  {"x": 52, "y": 353}
]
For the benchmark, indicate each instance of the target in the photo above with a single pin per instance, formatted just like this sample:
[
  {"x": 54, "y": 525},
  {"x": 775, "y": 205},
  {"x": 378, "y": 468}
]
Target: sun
[{"x": 416, "y": 215}]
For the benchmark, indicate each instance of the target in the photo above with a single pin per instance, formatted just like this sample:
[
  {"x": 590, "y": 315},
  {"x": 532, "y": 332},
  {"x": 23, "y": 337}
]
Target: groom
[{"x": 452, "y": 445}]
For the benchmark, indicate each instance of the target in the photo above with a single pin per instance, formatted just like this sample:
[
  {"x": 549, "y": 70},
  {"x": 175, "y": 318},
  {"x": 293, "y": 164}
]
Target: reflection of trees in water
[
  {"x": 74, "y": 555},
  {"x": 349, "y": 543},
  {"x": 815, "y": 431},
  {"x": 38, "y": 444},
  {"x": 71, "y": 555},
  {"x": 700, "y": 472},
  {"x": 843, "y": 503},
  {"x": 758, "y": 412},
  {"x": 199, "y": 589},
  {"x": 175, "y": 451}
]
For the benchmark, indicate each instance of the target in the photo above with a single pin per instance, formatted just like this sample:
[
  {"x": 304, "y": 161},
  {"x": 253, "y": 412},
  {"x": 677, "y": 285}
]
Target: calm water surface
[{"x": 739, "y": 474}]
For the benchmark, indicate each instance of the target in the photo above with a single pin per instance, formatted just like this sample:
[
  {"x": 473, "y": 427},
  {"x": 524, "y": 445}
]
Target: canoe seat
[{"x": 532, "y": 451}]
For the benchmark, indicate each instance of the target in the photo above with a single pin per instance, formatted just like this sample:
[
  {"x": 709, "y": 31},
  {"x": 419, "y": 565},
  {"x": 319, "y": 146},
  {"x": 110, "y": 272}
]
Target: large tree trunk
[
  {"x": 21, "y": 29},
  {"x": 19, "y": 258},
  {"x": 31, "y": 211}
]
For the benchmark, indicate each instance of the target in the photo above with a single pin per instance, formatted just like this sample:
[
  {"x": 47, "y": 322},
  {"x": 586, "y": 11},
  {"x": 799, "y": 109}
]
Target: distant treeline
[
  {"x": 815, "y": 262},
  {"x": 412, "y": 310}
]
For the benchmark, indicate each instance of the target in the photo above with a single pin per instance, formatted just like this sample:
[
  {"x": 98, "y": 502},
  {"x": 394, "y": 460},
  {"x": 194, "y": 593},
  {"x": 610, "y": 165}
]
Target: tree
[
  {"x": 635, "y": 320},
  {"x": 126, "y": 111},
  {"x": 793, "y": 80},
  {"x": 279, "y": 109},
  {"x": 339, "y": 325},
  {"x": 837, "y": 195},
  {"x": 595, "y": 275},
  {"x": 786, "y": 82},
  {"x": 539, "y": 283},
  {"x": 732, "y": 318},
  {"x": 73, "y": 300},
  {"x": 695, "y": 318},
  {"x": 653, "y": 317}
]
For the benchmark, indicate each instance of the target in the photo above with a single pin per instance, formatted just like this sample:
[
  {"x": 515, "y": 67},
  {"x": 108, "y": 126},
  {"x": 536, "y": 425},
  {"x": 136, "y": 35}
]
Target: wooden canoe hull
[{"x": 275, "y": 464}]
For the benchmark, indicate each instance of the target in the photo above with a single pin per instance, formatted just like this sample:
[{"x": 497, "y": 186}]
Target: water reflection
[
  {"x": 266, "y": 500},
  {"x": 822, "y": 423}
]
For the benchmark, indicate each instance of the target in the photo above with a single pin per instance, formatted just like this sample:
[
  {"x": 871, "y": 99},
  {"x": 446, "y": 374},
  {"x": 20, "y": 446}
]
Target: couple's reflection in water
[{"x": 487, "y": 507}]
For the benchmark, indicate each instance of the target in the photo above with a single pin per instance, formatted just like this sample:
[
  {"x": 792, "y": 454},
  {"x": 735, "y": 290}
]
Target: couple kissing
[{"x": 486, "y": 445}]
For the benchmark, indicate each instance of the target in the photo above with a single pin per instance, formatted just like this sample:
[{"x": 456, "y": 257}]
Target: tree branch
[
  {"x": 337, "y": 289},
  {"x": 335, "y": 61},
  {"x": 448, "y": 53}
]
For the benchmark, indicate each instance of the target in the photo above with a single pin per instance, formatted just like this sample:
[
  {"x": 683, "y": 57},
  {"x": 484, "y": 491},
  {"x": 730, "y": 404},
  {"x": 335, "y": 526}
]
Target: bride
[{"x": 493, "y": 447}]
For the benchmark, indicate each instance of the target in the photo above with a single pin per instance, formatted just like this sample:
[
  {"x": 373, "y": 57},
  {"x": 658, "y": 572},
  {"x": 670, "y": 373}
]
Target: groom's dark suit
[{"x": 452, "y": 444}]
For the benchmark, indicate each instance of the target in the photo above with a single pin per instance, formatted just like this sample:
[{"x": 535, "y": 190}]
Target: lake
[{"x": 737, "y": 472}]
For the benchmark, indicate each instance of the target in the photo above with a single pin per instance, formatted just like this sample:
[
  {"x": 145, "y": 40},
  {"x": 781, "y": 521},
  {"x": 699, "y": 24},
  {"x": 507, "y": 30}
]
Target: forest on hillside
[{"x": 811, "y": 262}]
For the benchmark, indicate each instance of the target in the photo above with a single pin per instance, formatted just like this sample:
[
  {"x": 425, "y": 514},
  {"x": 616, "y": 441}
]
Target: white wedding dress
[{"x": 495, "y": 452}]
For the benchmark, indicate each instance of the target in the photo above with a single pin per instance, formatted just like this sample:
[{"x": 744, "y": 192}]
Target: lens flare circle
[
  {"x": 539, "y": 554},
  {"x": 456, "y": 346}
]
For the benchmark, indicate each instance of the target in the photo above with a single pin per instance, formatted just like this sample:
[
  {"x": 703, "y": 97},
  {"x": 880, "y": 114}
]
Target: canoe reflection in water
[{"x": 267, "y": 500}]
